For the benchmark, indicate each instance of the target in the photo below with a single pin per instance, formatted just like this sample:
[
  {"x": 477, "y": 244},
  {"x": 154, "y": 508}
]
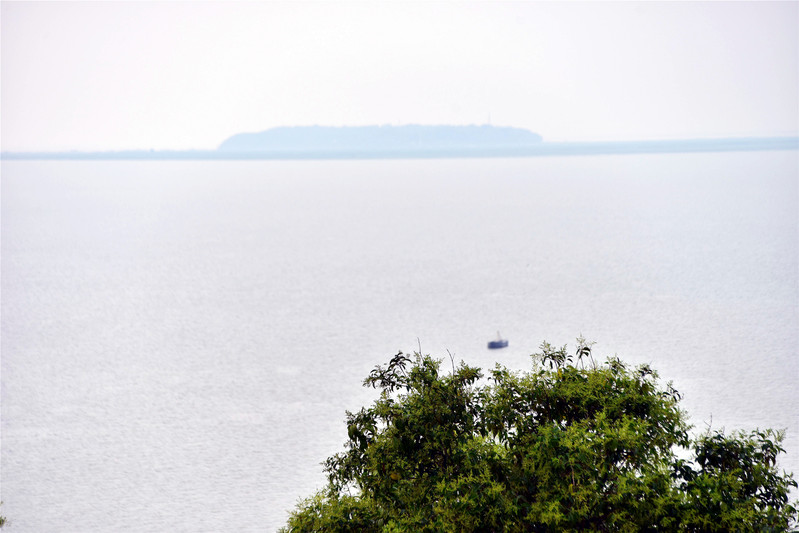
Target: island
[
  {"x": 369, "y": 139},
  {"x": 414, "y": 141}
]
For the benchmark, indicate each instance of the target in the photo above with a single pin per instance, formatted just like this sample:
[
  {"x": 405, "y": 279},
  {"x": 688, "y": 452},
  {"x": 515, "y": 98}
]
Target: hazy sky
[{"x": 174, "y": 75}]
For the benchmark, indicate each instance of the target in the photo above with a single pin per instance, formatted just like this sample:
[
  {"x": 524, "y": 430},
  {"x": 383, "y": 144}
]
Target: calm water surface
[{"x": 180, "y": 340}]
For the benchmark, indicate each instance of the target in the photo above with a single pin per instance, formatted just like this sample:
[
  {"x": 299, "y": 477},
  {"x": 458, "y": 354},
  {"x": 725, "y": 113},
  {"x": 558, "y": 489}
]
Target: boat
[{"x": 499, "y": 343}]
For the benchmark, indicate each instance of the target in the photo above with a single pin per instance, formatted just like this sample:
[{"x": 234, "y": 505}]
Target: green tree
[{"x": 571, "y": 445}]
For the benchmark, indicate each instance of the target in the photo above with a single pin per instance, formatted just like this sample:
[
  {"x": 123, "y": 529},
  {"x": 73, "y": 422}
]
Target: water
[{"x": 180, "y": 340}]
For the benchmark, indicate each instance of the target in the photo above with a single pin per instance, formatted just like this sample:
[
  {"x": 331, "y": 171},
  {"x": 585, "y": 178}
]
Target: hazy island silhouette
[
  {"x": 415, "y": 141},
  {"x": 367, "y": 138}
]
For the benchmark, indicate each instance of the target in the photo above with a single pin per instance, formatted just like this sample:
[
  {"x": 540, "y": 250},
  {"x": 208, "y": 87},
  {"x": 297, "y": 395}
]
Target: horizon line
[{"x": 701, "y": 144}]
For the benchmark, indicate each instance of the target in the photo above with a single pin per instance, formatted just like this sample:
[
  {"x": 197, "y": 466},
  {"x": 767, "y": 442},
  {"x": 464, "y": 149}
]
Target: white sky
[{"x": 175, "y": 75}]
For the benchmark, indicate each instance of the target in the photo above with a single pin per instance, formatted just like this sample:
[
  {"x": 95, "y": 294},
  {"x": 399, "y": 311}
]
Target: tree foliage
[{"x": 571, "y": 445}]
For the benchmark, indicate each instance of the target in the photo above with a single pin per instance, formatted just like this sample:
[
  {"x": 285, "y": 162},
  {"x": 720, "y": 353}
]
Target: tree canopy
[{"x": 570, "y": 445}]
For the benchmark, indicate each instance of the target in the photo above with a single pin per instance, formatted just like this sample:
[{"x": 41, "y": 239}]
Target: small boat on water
[{"x": 499, "y": 343}]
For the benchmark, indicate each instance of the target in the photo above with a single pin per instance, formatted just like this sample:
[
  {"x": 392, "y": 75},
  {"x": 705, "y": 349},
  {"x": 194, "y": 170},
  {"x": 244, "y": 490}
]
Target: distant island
[
  {"x": 414, "y": 142},
  {"x": 381, "y": 138}
]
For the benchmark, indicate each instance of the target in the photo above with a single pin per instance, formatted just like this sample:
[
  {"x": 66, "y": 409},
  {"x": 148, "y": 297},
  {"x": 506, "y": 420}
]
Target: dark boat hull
[{"x": 493, "y": 345}]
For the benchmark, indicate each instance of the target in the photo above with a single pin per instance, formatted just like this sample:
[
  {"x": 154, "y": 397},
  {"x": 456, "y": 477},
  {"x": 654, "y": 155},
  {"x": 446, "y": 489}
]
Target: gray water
[{"x": 180, "y": 340}]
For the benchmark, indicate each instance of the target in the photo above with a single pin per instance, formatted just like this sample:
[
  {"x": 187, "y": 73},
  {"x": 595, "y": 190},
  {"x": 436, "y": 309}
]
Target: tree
[{"x": 571, "y": 445}]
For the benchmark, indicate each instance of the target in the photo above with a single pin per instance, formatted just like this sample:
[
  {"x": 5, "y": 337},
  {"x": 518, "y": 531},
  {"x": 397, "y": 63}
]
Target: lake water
[{"x": 180, "y": 340}]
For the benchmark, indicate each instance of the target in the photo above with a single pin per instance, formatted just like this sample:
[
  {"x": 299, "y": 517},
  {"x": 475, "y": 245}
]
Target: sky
[{"x": 187, "y": 75}]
